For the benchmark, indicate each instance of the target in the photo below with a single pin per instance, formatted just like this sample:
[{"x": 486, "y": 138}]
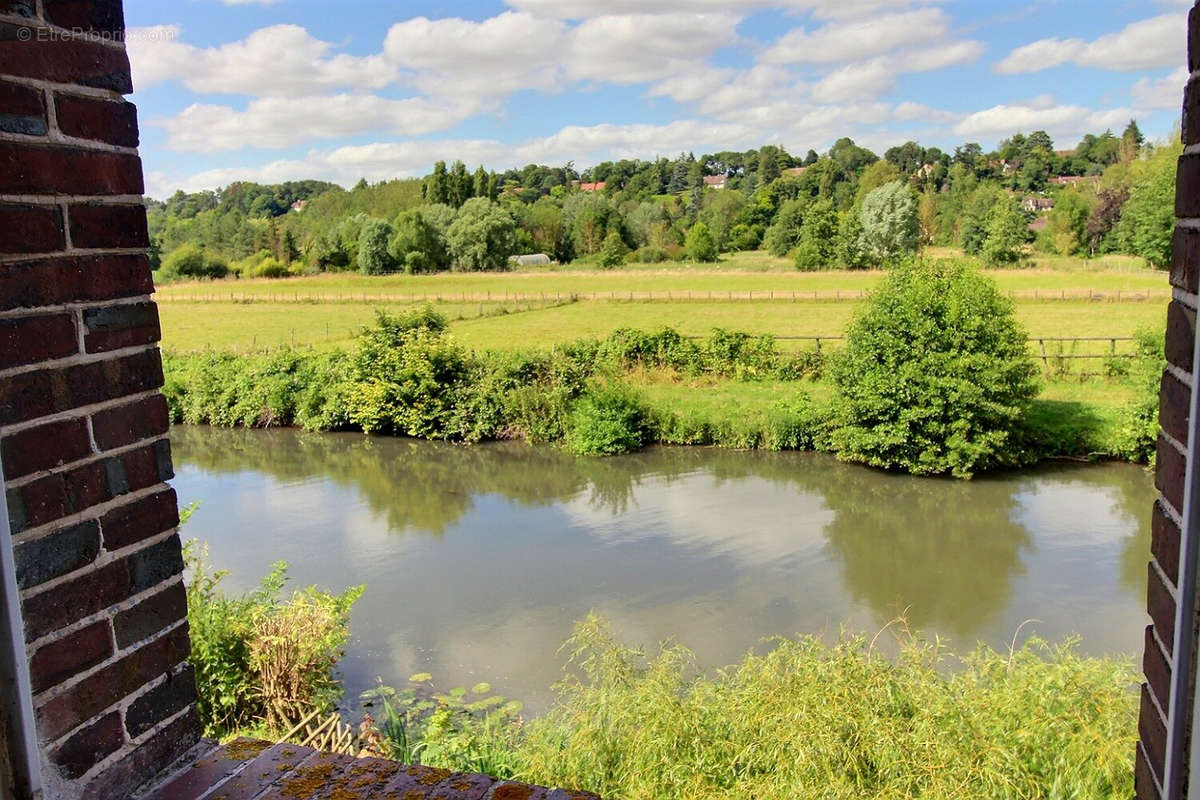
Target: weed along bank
[{"x": 536, "y": 548}]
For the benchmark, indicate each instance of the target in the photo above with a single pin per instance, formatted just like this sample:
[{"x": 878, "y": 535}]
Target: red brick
[
  {"x": 39, "y": 169},
  {"x": 56, "y": 554},
  {"x": 110, "y": 685},
  {"x": 115, "y": 327},
  {"x": 1157, "y": 669},
  {"x": 1161, "y": 607},
  {"x": 55, "y": 496},
  {"x": 31, "y": 340},
  {"x": 1181, "y": 335},
  {"x": 139, "y": 469},
  {"x": 71, "y": 279},
  {"x": 1191, "y": 113},
  {"x": 118, "y": 427},
  {"x": 101, "y": 16},
  {"x": 1169, "y": 473},
  {"x": 1174, "y": 406},
  {"x": 96, "y": 226},
  {"x": 1153, "y": 733},
  {"x": 22, "y": 110},
  {"x": 1185, "y": 261},
  {"x": 89, "y": 746},
  {"x": 1194, "y": 40},
  {"x": 1164, "y": 542},
  {"x": 71, "y": 655},
  {"x": 30, "y": 395},
  {"x": 155, "y": 613},
  {"x": 30, "y": 229},
  {"x": 1187, "y": 187},
  {"x": 161, "y": 703},
  {"x": 108, "y": 121},
  {"x": 45, "y": 447},
  {"x": 50, "y": 56},
  {"x": 152, "y": 756},
  {"x": 1144, "y": 782},
  {"x": 92, "y": 592},
  {"x": 142, "y": 519}
]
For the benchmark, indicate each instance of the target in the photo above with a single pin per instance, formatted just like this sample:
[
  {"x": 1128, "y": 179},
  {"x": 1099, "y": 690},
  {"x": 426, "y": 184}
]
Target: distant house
[
  {"x": 299, "y": 205},
  {"x": 1073, "y": 180},
  {"x": 592, "y": 187},
  {"x": 531, "y": 260},
  {"x": 1037, "y": 204},
  {"x": 716, "y": 181}
]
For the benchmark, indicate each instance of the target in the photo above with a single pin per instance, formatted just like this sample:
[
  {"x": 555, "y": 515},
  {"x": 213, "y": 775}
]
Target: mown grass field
[{"x": 534, "y": 309}]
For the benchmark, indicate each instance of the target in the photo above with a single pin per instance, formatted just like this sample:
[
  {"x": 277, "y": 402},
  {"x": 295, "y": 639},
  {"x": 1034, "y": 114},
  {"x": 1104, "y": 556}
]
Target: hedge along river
[{"x": 477, "y": 560}]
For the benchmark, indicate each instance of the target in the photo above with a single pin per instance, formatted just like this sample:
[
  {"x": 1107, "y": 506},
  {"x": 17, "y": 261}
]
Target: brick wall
[
  {"x": 1159, "y": 660},
  {"x": 82, "y": 425}
]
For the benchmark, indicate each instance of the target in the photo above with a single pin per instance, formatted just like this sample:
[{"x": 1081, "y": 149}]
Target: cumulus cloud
[
  {"x": 277, "y": 122},
  {"x": 1064, "y": 121},
  {"x": 1160, "y": 93},
  {"x": 492, "y": 58},
  {"x": 583, "y": 9},
  {"x": 639, "y": 48},
  {"x": 841, "y": 42},
  {"x": 281, "y": 60},
  {"x": 1148, "y": 44}
]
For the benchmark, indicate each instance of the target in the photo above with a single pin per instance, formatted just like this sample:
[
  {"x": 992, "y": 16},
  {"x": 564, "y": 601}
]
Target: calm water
[{"x": 477, "y": 560}]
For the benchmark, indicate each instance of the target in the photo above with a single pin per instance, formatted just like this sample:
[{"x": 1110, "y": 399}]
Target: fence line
[{"x": 628, "y": 296}]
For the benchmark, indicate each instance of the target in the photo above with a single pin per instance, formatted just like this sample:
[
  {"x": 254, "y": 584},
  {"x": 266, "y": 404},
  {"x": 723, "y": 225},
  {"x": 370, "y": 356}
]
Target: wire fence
[{"x": 688, "y": 295}]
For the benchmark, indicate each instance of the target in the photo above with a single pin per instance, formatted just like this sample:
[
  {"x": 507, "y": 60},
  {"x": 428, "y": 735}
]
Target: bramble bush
[{"x": 936, "y": 376}]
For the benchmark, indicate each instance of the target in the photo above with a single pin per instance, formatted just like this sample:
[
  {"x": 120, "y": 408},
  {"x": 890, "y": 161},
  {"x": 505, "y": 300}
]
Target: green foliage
[
  {"x": 1137, "y": 437},
  {"x": 418, "y": 245},
  {"x": 612, "y": 252},
  {"x": 1007, "y": 233},
  {"x": 817, "y": 248},
  {"x": 890, "y": 227},
  {"x": 936, "y": 376},
  {"x": 189, "y": 261},
  {"x": 784, "y": 234},
  {"x": 807, "y": 719},
  {"x": 609, "y": 420},
  {"x": 482, "y": 236},
  {"x": 1148, "y": 218},
  {"x": 256, "y": 654},
  {"x": 373, "y": 241},
  {"x": 700, "y": 245}
]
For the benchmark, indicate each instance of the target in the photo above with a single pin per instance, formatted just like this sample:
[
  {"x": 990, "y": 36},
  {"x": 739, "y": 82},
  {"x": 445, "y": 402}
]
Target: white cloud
[
  {"x": 492, "y": 58},
  {"x": 841, "y": 42},
  {"x": 584, "y": 9},
  {"x": 281, "y": 60},
  {"x": 877, "y": 76},
  {"x": 639, "y": 48},
  {"x": 1149, "y": 44},
  {"x": 275, "y": 122},
  {"x": 1160, "y": 93},
  {"x": 1060, "y": 121},
  {"x": 918, "y": 112}
]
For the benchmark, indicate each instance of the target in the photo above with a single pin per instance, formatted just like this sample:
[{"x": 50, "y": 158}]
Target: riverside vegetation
[
  {"x": 802, "y": 717},
  {"x": 904, "y": 395}
]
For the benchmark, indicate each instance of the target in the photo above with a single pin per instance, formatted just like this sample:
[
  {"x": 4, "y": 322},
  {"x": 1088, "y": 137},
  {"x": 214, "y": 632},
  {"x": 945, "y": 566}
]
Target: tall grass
[{"x": 843, "y": 721}]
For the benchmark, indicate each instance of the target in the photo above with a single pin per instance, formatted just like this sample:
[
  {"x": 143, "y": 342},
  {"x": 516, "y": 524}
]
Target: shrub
[
  {"x": 482, "y": 237},
  {"x": 1007, "y": 234},
  {"x": 936, "y": 375},
  {"x": 612, "y": 252},
  {"x": 842, "y": 722},
  {"x": 1137, "y": 436},
  {"x": 189, "y": 261},
  {"x": 609, "y": 420},
  {"x": 700, "y": 244},
  {"x": 373, "y": 255},
  {"x": 259, "y": 659},
  {"x": 890, "y": 224}
]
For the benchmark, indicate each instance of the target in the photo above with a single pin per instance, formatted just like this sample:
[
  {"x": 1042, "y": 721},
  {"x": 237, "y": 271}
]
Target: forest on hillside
[{"x": 848, "y": 208}]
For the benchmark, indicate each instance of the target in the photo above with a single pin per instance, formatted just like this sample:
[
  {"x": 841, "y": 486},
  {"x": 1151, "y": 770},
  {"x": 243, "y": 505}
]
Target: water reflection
[{"x": 478, "y": 559}]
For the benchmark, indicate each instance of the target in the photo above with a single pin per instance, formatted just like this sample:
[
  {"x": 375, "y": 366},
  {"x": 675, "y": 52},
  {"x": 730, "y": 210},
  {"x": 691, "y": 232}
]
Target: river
[{"x": 477, "y": 560}]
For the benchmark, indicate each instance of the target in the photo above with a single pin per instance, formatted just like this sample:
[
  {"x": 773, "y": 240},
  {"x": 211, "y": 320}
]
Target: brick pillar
[
  {"x": 82, "y": 423},
  {"x": 1165, "y": 722}
]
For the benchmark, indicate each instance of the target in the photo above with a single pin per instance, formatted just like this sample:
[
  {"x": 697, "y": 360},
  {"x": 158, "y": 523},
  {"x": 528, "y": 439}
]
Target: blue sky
[{"x": 275, "y": 90}]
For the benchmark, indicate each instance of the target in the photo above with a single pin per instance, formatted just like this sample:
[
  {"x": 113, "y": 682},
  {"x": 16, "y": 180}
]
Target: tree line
[{"x": 847, "y": 208}]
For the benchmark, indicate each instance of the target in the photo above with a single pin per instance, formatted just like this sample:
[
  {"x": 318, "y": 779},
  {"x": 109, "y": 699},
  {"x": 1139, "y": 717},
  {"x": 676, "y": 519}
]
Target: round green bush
[
  {"x": 609, "y": 420},
  {"x": 936, "y": 377}
]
